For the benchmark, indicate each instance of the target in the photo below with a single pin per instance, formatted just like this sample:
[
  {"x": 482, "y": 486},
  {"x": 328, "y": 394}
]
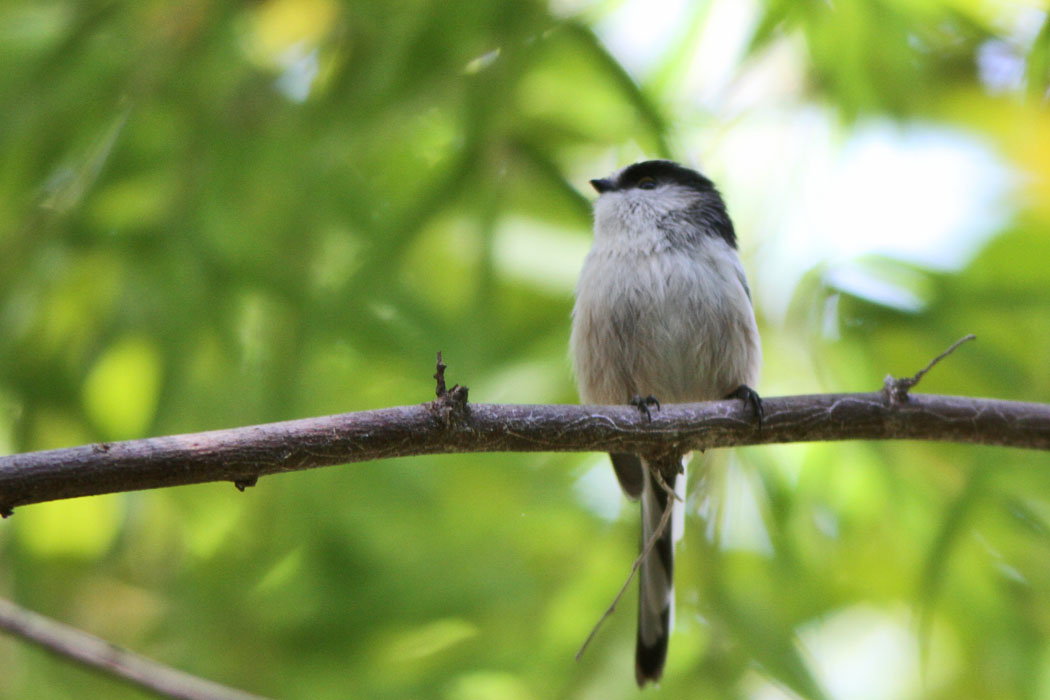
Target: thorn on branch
[
  {"x": 896, "y": 390},
  {"x": 248, "y": 482},
  {"x": 451, "y": 404},
  {"x": 439, "y": 375}
]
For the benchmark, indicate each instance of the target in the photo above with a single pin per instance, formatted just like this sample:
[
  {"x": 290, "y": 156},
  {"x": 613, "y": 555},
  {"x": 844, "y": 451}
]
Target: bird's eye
[{"x": 647, "y": 183}]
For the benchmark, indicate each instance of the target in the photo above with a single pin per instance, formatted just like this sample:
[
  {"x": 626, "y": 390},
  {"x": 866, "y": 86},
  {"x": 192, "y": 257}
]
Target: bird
[{"x": 662, "y": 313}]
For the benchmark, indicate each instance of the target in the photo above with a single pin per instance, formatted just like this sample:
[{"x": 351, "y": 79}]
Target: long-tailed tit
[{"x": 662, "y": 310}]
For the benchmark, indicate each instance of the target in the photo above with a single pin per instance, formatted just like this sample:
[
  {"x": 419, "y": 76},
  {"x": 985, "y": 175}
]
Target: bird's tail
[{"x": 656, "y": 575}]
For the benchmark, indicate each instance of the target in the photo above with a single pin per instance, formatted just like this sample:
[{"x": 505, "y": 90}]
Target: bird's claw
[
  {"x": 750, "y": 398},
  {"x": 643, "y": 404}
]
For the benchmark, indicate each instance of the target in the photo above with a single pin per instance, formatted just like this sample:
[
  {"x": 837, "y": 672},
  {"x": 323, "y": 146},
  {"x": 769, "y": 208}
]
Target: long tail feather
[{"x": 656, "y": 579}]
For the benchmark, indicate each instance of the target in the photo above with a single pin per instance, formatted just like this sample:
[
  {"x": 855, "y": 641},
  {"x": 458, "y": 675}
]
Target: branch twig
[
  {"x": 665, "y": 518},
  {"x": 897, "y": 389},
  {"x": 99, "y": 654}
]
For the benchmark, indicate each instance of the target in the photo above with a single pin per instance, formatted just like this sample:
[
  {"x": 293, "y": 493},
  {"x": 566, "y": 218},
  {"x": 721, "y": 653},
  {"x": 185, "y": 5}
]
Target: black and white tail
[{"x": 656, "y": 577}]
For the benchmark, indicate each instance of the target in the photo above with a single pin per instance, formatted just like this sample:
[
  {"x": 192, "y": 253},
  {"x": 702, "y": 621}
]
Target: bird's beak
[{"x": 602, "y": 185}]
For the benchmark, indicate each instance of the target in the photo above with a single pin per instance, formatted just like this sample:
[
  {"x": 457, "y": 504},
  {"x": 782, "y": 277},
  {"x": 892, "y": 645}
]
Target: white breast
[{"x": 676, "y": 324}]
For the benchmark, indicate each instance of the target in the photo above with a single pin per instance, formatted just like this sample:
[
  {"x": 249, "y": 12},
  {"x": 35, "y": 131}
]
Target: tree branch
[
  {"x": 448, "y": 425},
  {"x": 99, "y": 654}
]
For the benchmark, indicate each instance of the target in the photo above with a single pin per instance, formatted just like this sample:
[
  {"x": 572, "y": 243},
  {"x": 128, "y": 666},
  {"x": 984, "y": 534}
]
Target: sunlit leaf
[{"x": 121, "y": 391}]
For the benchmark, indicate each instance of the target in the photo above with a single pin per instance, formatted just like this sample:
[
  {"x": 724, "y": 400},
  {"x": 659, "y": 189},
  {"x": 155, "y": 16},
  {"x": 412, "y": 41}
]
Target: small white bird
[{"x": 662, "y": 310}]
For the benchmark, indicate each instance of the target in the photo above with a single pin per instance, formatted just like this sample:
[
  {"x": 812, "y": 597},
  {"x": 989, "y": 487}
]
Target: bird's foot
[
  {"x": 750, "y": 398},
  {"x": 643, "y": 404}
]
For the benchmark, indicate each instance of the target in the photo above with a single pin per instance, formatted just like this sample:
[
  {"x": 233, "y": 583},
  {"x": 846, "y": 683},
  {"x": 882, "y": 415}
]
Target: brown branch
[
  {"x": 450, "y": 425},
  {"x": 99, "y": 654},
  {"x": 241, "y": 455}
]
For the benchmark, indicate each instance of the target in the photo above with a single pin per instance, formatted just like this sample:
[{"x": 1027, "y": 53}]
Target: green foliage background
[{"x": 193, "y": 238}]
